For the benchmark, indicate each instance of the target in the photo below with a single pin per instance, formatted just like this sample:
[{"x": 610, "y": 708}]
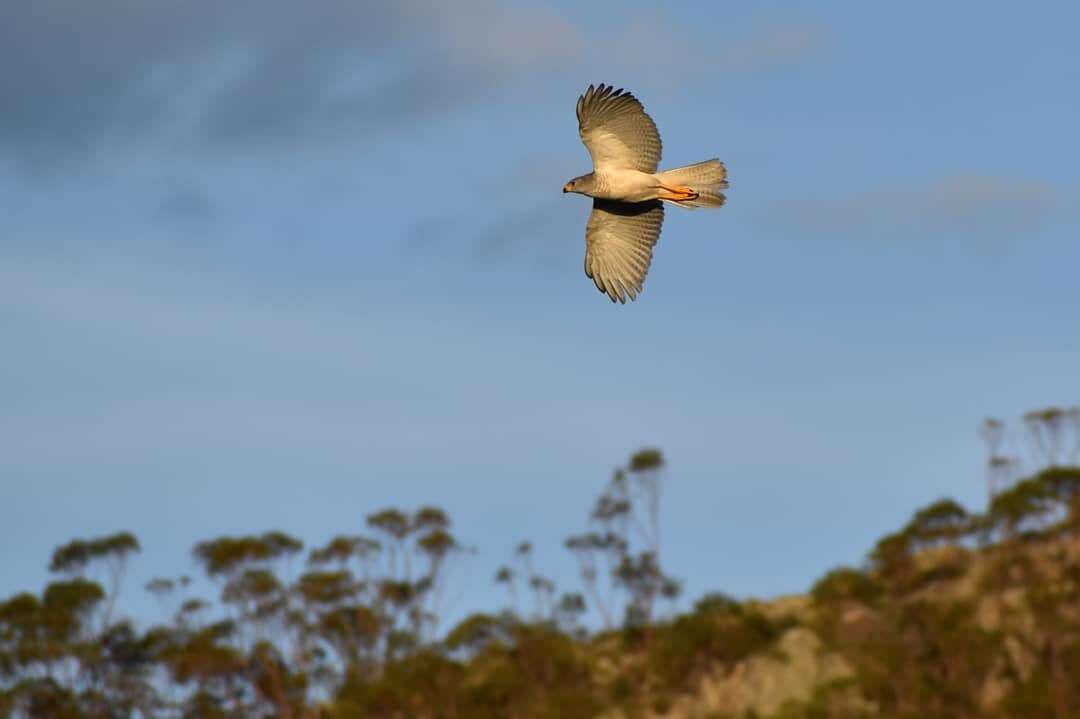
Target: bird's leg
[{"x": 680, "y": 193}]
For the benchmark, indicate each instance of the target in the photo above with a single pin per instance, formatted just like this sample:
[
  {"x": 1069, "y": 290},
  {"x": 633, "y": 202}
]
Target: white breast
[{"x": 626, "y": 185}]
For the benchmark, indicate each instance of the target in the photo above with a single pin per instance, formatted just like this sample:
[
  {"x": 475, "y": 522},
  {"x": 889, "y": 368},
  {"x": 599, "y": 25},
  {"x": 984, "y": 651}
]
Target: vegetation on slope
[{"x": 957, "y": 614}]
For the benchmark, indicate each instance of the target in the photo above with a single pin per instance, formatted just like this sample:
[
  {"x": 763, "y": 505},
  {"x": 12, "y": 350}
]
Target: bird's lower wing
[{"x": 619, "y": 239}]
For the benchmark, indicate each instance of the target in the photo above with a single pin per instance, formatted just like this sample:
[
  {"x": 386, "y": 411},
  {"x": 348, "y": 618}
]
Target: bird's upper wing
[
  {"x": 616, "y": 130},
  {"x": 619, "y": 239}
]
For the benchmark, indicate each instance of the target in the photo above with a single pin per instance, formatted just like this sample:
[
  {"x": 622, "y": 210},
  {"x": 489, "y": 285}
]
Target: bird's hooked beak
[{"x": 568, "y": 187}]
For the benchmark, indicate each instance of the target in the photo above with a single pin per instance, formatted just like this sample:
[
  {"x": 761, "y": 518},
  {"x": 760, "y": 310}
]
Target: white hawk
[{"x": 628, "y": 193}]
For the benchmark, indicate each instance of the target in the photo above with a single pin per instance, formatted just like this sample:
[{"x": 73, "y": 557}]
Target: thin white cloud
[
  {"x": 775, "y": 42},
  {"x": 971, "y": 206},
  {"x": 667, "y": 52}
]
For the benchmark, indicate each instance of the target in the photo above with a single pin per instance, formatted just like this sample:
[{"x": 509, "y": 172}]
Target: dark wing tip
[{"x": 604, "y": 91}]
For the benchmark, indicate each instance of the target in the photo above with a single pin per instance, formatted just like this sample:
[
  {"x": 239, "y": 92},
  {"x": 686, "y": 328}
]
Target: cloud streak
[
  {"x": 967, "y": 205},
  {"x": 77, "y": 78},
  {"x": 82, "y": 80},
  {"x": 767, "y": 42}
]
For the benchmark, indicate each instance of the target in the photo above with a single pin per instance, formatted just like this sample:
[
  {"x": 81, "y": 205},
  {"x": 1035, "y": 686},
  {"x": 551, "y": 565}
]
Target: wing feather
[
  {"x": 617, "y": 131},
  {"x": 619, "y": 240}
]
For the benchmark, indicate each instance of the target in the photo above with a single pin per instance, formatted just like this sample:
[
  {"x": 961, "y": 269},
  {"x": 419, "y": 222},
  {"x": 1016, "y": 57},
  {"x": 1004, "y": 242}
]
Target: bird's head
[{"x": 583, "y": 184}]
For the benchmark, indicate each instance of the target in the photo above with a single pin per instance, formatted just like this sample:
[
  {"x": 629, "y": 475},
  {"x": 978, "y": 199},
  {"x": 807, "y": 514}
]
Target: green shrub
[
  {"x": 716, "y": 633},
  {"x": 845, "y": 584}
]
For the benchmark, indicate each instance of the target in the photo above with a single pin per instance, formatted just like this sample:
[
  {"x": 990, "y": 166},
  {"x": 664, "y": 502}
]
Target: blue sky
[{"x": 265, "y": 266}]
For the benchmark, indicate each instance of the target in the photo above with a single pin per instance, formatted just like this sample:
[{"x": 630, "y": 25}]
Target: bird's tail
[{"x": 707, "y": 179}]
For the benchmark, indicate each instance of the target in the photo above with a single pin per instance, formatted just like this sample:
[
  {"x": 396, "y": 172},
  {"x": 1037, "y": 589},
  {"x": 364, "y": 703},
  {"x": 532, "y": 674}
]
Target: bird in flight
[{"x": 628, "y": 193}]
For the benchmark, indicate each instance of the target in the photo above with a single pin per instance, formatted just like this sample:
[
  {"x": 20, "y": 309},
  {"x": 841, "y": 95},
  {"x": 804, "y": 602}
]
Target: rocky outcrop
[{"x": 764, "y": 683}]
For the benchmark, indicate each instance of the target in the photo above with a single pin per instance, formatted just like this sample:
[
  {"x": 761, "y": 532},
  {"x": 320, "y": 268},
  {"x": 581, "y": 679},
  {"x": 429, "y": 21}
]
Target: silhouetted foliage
[
  {"x": 625, "y": 539},
  {"x": 1024, "y": 506},
  {"x": 943, "y": 521}
]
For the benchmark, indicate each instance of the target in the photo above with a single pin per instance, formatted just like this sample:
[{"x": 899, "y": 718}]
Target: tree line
[{"x": 356, "y": 630}]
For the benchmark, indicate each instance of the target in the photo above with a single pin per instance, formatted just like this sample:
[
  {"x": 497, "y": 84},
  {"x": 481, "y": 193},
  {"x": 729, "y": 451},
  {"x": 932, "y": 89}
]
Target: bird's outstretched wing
[
  {"x": 616, "y": 130},
  {"x": 619, "y": 239}
]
